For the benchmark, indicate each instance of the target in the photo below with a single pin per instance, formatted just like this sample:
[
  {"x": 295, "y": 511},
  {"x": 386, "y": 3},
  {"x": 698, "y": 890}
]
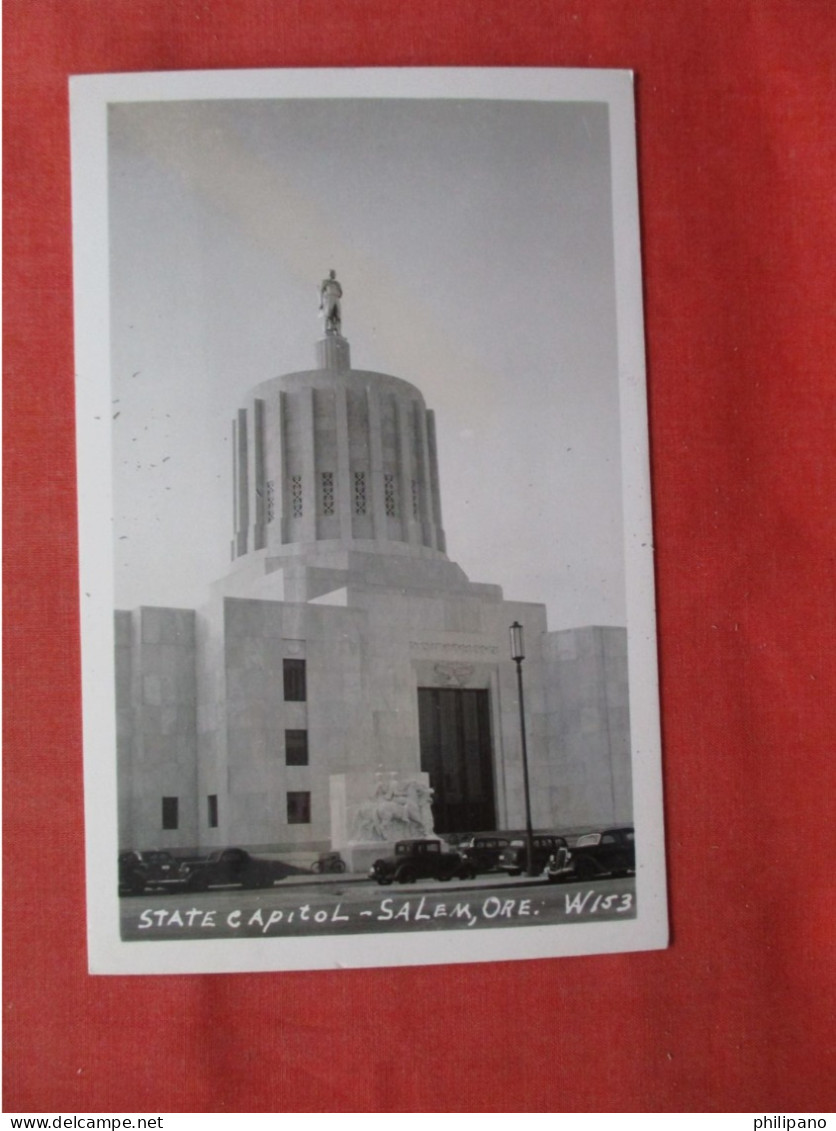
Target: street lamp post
[{"x": 518, "y": 655}]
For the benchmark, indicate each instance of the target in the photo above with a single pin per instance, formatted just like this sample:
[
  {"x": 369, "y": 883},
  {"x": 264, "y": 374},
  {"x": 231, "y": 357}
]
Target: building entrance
[{"x": 456, "y": 752}]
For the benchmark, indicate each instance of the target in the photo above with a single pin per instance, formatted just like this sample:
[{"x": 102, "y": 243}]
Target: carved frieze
[{"x": 454, "y": 675}]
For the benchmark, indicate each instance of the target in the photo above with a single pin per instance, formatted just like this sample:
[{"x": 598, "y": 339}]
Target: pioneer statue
[{"x": 330, "y": 294}]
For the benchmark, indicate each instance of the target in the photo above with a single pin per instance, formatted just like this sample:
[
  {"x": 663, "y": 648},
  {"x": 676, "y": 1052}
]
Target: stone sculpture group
[{"x": 396, "y": 811}]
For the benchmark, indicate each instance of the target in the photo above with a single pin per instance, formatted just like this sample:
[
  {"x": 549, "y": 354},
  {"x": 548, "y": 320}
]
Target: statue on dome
[{"x": 330, "y": 294}]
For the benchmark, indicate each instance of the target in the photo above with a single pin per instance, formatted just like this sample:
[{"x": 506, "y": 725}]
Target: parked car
[
  {"x": 232, "y": 867},
  {"x": 611, "y": 852},
  {"x": 560, "y": 866},
  {"x": 155, "y": 868},
  {"x": 483, "y": 850},
  {"x": 513, "y": 858},
  {"x": 419, "y": 860}
]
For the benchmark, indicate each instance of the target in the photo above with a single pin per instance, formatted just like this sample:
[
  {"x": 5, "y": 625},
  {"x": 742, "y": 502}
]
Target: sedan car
[
  {"x": 155, "y": 868},
  {"x": 611, "y": 852},
  {"x": 559, "y": 866},
  {"x": 513, "y": 858},
  {"x": 230, "y": 867},
  {"x": 483, "y": 850},
  {"x": 420, "y": 860}
]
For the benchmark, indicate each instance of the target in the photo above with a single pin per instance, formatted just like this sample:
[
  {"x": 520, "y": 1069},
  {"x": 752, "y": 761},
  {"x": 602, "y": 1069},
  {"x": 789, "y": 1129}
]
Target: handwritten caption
[{"x": 420, "y": 911}]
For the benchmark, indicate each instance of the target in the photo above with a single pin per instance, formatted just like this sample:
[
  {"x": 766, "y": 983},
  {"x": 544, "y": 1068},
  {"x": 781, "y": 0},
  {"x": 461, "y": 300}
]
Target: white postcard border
[{"x": 90, "y": 96}]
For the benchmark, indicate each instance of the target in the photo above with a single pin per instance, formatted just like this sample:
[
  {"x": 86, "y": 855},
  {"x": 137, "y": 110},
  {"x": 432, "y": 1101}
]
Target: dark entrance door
[{"x": 456, "y": 753}]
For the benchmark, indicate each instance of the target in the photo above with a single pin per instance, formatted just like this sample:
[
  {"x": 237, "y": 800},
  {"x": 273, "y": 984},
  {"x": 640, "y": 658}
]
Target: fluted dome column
[{"x": 335, "y": 454}]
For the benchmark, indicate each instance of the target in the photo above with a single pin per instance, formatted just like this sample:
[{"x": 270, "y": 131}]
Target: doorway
[{"x": 456, "y": 752}]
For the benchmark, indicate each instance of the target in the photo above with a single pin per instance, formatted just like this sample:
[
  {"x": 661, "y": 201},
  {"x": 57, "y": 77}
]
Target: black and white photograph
[{"x": 369, "y": 645}]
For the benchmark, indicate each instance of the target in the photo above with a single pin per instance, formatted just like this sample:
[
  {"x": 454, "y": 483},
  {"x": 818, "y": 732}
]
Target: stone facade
[{"x": 268, "y": 712}]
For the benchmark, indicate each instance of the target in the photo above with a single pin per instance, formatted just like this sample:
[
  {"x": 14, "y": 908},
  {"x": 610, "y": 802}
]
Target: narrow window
[
  {"x": 327, "y": 492},
  {"x": 170, "y": 814},
  {"x": 296, "y": 748},
  {"x": 271, "y": 500},
  {"x": 389, "y": 495},
  {"x": 414, "y": 498},
  {"x": 212, "y": 810},
  {"x": 299, "y": 808},
  {"x": 359, "y": 492},
  {"x": 296, "y": 495},
  {"x": 295, "y": 690}
]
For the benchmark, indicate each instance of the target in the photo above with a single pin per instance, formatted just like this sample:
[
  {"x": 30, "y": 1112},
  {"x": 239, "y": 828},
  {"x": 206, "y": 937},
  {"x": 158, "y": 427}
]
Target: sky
[{"x": 473, "y": 241}]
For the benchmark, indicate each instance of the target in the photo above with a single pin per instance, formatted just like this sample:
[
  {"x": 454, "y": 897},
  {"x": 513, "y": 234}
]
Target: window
[
  {"x": 212, "y": 810},
  {"x": 296, "y": 495},
  {"x": 389, "y": 495},
  {"x": 299, "y": 808},
  {"x": 170, "y": 814},
  {"x": 327, "y": 492},
  {"x": 294, "y": 681},
  {"x": 359, "y": 492},
  {"x": 415, "y": 498},
  {"x": 271, "y": 500},
  {"x": 296, "y": 748}
]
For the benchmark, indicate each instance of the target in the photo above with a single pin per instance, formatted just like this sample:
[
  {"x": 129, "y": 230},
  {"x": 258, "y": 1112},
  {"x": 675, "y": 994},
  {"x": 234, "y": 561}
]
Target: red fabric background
[{"x": 736, "y": 143}]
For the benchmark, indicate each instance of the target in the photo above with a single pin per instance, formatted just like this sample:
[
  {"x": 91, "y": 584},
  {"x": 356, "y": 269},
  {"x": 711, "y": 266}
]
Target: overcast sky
[{"x": 473, "y": 241}]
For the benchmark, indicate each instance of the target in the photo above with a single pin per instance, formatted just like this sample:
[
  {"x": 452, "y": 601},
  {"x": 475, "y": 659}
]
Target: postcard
[{"x": 366, "y": 555}]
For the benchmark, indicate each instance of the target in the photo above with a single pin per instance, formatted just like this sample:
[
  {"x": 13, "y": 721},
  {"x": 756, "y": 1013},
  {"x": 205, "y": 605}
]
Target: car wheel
[
  {"x": 197, "y": 882},
  {"x": 585, "y": 868},
  {"x": 406, "y": 876},
  {"x": 316, "y": 867},
  {"x": 338, "y": 866},
  {"x": 384, "y": 881}
]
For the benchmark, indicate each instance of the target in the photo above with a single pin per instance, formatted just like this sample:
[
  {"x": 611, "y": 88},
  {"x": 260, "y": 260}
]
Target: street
[{"x": 349, "y": 905}]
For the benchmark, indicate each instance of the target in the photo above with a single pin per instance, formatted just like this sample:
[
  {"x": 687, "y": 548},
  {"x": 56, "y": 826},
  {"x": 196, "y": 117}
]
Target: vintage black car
[
  {"x": 513, "y": 858},
  {"x": 419, "y": 860},
  {"x": 230, "y": 867},
  {"x": 559, "y": 867},
  {"x": 611, "y": 852},
  {"x": 483, "y": 850},
  {"x": 152, "y": 869}
]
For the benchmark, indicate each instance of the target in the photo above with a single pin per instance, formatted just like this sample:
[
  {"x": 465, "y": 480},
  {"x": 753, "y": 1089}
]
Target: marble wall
[{"x": 202, "y": 710}]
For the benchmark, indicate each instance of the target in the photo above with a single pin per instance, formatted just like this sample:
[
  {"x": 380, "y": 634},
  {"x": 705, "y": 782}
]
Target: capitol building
[{"x": 345, "y": 660}]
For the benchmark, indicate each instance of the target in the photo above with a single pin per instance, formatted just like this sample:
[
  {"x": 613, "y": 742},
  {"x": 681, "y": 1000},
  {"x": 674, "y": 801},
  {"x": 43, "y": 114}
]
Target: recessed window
[
  {"x": 271, "y": 500},
  {"x": 299, "y": 808},
  {"x": 415, "y": 498},
  {"x": 359, "y": 492},
  {"x": 389, "y": 495},
  {"x": 296, "y": 496},
  {"x": 295, "y": 690},
  {"x": 212, "y": 810},
  {"x": 327, "y": 492},
  {"x": 170, "y": 812},
  {"x": 296, "y": 747}
]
